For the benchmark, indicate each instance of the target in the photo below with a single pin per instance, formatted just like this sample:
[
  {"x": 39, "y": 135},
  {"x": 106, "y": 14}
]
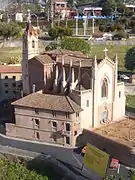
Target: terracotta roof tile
[
  {"x": 85, "y": 62},
  {"x": 49, "y": 102},
  {"x": 10, "y": 69},
  {"x": 64, "y": 52},
  {"x": 44, "y": 59}
]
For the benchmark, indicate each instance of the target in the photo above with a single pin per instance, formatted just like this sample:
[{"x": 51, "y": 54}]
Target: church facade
[{"x": 90, "y": 86}]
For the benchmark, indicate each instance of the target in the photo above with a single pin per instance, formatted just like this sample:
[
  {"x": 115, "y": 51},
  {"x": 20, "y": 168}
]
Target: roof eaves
[{"x": 68, "y": 99}]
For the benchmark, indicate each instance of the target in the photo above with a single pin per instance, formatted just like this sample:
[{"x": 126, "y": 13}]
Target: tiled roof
[
  {"x": 64, "y": 52},
  {"x": 10, "y": 69},
  {"x": 60, "y": 1},
  {"x": 85, "y": 62},
  {"x": 44, "y": 59},
  {"x": 49, "y": 102}
]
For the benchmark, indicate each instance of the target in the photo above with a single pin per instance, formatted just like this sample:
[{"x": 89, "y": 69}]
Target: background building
[{"x": 10, "y": 81}]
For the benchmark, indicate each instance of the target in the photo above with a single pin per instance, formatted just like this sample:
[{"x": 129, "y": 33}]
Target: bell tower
[{"x": 30, "y": 50}]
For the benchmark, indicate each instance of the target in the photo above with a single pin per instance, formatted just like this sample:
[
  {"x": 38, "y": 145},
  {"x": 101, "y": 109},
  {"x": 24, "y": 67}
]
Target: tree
[
  {"x": 75, "y": 44},
  {"x": 16, "y": 170},
  {"x": 59, "y": 32},
  {"x": 34, "y": 8},
  {"x": 109, "y": 6},
  {"x": 130, "y": 59},
  {"x": 8, "y": 30}
]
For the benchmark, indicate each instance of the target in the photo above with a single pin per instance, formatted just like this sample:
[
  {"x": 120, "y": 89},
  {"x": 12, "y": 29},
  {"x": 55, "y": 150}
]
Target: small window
[
  {"x": 14, "y": 84},
  {"x": 6, "y": 77},
  {"x": 87, "y": 103},
  {"x": 104, "y": 88},
  {"x": 75, "y": 133},
  {"x": 67, "y": 127},
  {"x": 77, "y": 114},
  {"x": 14, "y": 92},
  {"x": 67, "y": 114},
  {"x": 33, "y": 44},
  {"x": 54, "y": 124},
  {"x": 6, "y": 92},
  {"x": 55, "y": 138},
  {"x": 37, "y": 122},
  {"x": 54, "y": 113},
  {"x": 6, "y": 84},
  {"x": 14, "y": 77},
  {"x": 67, "y": 140},
  {"x": 119, "y": 94},
  {"x": 36, "y": 111},
  {"x": 37, "y": 135}
]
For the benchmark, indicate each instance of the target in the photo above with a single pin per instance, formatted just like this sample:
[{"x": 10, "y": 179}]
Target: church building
[{"x": 65, "y": 92}]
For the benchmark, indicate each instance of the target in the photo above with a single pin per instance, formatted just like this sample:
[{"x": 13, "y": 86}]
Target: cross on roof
[
  {"x": 28, "y": 15},
  {"x": 105, "y": 51}
]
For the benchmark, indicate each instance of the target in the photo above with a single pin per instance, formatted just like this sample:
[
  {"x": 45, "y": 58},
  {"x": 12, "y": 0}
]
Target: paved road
[
  {"x": 67, "y": 159},
  {"x": 65, "y": 156}
]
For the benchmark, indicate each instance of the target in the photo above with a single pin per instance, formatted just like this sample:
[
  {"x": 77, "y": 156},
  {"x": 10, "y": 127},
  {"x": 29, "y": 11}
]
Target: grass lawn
[
  {"x": 8, "y": 52},
  {"x": 112, "y": 50},
  {"x": 121, "y": 50}
]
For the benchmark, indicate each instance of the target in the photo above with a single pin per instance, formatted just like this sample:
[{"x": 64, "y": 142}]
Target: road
[{"x": 67, "y": 159}]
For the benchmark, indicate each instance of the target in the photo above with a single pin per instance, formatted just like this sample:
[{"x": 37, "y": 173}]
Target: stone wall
[
  {"x": 123, "y": 153},
  {"x": 130, "y": 89}
]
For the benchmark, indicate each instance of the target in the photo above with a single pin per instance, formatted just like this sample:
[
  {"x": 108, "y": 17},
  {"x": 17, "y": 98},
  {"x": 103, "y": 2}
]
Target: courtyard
[{"x": 122, "y": 131}]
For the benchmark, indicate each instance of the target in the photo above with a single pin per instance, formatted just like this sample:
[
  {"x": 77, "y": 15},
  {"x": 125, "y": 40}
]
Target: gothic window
[
  {"x": 33, "y": 44},
  {"x": 119, "y": 94},
  {"x": 104, "y": 88}
]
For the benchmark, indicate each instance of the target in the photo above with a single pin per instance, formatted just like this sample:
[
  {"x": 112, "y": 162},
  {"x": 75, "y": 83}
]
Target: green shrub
[
  {"x": 120, "y": 35},
  {"x": 102, "y": 28},
  {"x": 75, "y": 44}
]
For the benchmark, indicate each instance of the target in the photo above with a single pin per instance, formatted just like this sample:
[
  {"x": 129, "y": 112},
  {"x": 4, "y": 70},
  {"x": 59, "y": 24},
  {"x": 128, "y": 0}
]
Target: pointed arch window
[
  {"x": 33, "y": 44},
  {"x": 104, "y": 88}
]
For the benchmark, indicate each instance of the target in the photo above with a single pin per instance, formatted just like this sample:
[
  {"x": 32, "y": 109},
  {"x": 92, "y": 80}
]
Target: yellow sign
[{"x": 96, "y": 160}]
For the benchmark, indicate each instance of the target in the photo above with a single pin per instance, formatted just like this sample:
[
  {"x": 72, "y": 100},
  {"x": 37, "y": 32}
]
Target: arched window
[
  {"x": 33, "y": 44},
  {"x": 104, "y": 88}
]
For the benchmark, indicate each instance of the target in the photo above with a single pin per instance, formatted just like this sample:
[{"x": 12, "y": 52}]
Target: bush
[
  {"x": 102, "y": 28},
  {"x": 51, "y": 46},
  {"x": 53, "y": 32},
  {"x": 15, "y": 170},
  {"x": 120, "y": 35},
  {"x": 119, "y": 27},
  {"x": 75, "y": 44}
]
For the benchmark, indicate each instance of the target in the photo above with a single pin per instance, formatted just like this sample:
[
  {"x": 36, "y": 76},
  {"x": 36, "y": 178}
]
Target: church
[{"x": 64, "y": 93}]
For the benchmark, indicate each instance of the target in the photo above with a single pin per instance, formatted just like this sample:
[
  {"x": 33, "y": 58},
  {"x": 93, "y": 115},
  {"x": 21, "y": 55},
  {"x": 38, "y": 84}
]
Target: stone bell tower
[{"x": 30, "y": 50}]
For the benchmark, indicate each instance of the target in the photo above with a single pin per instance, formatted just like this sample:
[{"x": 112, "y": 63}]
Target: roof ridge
[{"x": 70, "y": 103}]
